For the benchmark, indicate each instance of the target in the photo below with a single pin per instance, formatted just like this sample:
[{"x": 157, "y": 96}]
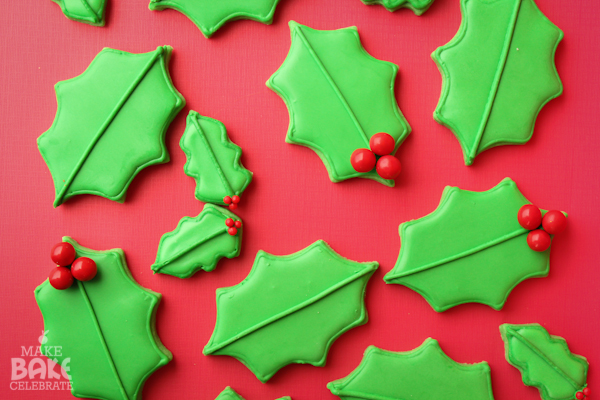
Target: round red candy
[
  {"x": 587, "y": 391},
  {"x": 530, "y": 217},
  {"x": 538, "y": 240},
  {"x": 84, "y": 269},
  {"x": 382, "y": 144},
  {"x": 227, "y": 200},
  {"x": 363, "y": 160},
  {"x": 235, "y": 199},
  {"x": 232, "y": 231},
  {"x": 554, "y": 222},
  {"x": 238, "y": 224},
  {"x": 579, "y": 395},
  {"x": 61, "y": 278},
  {"x": 62, "y": 254},
  {"x": 388, "y": 167},
  {"x": 229, "y": 222},
  {"x": 233, "y": 206}
]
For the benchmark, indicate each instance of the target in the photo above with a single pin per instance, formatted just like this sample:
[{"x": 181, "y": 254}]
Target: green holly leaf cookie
[
  {"x": 471, "y": 249},
  {"x": 86, "y": 11},
  {"x": 417, "y": 6},
  {"x": 105, "y": 329},
  {"x": 424, "y": 373},
  {"x": 290, "y": 309},
  {"x": 110, "y": 124},
  {"x": 197, "y": 243},
  {"x": 545, "y": 361},
  {"x": 210, "y": 15},
  {"x": 498, "y": 72},
  {"x": 230, "y": 394},
  {"x": 212, "y": 160},
  {"x": 338, "y": 96}
]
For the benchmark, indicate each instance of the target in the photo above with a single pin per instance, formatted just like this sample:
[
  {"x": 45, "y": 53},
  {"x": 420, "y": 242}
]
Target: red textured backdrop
[{"x": 291, "y": 202}]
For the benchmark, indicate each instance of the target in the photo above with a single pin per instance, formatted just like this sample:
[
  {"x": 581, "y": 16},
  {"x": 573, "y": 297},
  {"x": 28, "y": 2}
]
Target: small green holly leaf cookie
[
  {"x": 86, "y": 11},
  {"x": 290, "y": 309},
  {"x": 417, "y": 6},
  {"x": 471, "y": 249},
  {"x": 198, "y": 243},
  {"x": 105, "y": 328},
  {"x": 421, "y": 374},
  {"x": 497, "y": 72},
  {"x": 110, "y": 124},
  {"x": 212, "y": 160},
  {"x": 338, "y": 96},
  {"x": 230, "y": 394},
  {"x": 545, "y": 361},
  {"x": 209, "y": 15}
]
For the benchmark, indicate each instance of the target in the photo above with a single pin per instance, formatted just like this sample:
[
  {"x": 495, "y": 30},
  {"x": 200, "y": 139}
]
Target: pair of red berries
[
  {"x": 232, "y": 201},
  {"x": 381, "y": 144},
  {"x": 233, "y": 226},
  {"x": 82, "y": 269},
  {"x": 530, "y": 217},
  {"x": 584, "y": 393}
]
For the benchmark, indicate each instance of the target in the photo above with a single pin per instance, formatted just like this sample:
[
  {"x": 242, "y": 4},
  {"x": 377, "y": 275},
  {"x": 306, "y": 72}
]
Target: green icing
[
  {"x": 471, "y": 249},
  {"x": 110, "y": 124},
  {"x": 417, "y": 6},
  {"x": 87, "y": 11},
  {"x": 338, "y": 96},
  {"x": 212, "y": 160},
  {"x": 424, "y": 373},
  {"x": 106, "y": 327},
  {"x": 545, "y": 361},
  {"x": 230, "y": 394},
  {"x": 498, "y": 72},
  {"x": 211, "y": 15},
  {"x": 197, "y": 243},
  {"x": 290, "y": 309}
]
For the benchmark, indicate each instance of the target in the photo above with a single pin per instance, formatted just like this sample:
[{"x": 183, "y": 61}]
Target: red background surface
[{"x": 291, "y": 202}]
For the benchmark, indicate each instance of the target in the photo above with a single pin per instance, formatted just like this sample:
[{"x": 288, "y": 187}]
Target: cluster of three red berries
[
  {"x": 82, "y": 268},
  {"x": 530, "y": 218},
  {"x": 232, "y": 201},
  {"x": 387, "y": 166},
  {"x": 233, "y": 226},
  {"x": 583, "y": 394}
]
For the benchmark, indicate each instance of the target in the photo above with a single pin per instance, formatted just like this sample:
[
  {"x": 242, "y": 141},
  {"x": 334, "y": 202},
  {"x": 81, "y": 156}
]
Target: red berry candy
[
  {"x": 363, "y": 160},
  {"x": 235, "y": 199},
  {"x": 60, "y": 278},
  {"x": 62, "y": 254},
  {"x": 587, "y": 391},
  {"x": 538, "y": 240},
  {"x": 382, "y": 144},
  {"x": 238, "y": 224},
  {"x": 579, "y": 395},
  {"x": 84, "y": 269},
  {"x": 229, "y": 222},
  {"x": 227, "y": 200},
  {"x": 232, "y": 206},
  {"x": 232, "y": 231},
  {"x": 554, "y": 222},
  {"x": 388, "y": 167},
  {"x": 530, "y": 217}
]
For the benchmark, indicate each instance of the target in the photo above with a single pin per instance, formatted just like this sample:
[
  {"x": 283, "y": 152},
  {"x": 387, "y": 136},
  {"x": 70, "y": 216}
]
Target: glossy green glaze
[
  {"x": 106, "y": 327},
  {"x": 424, "y": 373},
  {"x": 110, "y": 124},
  {"x": 230, "y": 394},
  {"x": 417, "y": 6},
  {"x": 338, "y": 96},
  {"x": 290, "y": 309},
  {"x": 212, "y": 160},
  {"x": 197, "y": 243},
  {"x": 471, "y": 249},
  {"x": 545, "y": 361},
  {"x": 497, "y": 72},
  {"x": 210, "y": 15},
  {"x": 87, "y": 11}
]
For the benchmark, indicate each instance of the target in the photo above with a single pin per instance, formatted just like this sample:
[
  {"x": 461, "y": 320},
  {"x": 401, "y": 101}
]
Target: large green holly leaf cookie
[
  {"x": 212, "y": 160},
  {"x": 338, "y": 96},
  {"x": 87, "y": 11},
  {"x": 471, "y": 249},
  {"x": 105, "y": 329},
  {"x": 498, "y": 72},
  {"x": 211, "y": 15},
  {"x": 110, "y": 123},
  {"x": 545, "y": 361},
  {"x": 290, "y": 309},
  {"x": 424, "y": 373},
  {"x": 197, "y": 243},
  {"x": 230, "y": 394},
  {"x": 417, "y": 6}
]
